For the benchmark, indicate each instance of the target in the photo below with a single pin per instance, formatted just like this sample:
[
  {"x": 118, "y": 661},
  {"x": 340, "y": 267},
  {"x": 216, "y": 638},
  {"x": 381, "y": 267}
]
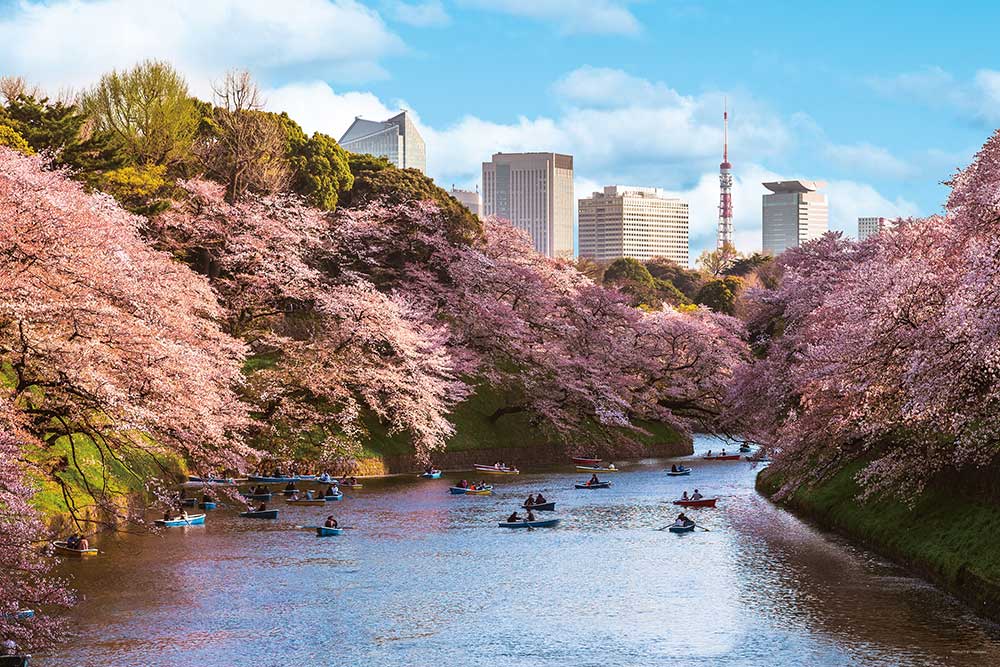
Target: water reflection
[{"x": 427, "y": 578}]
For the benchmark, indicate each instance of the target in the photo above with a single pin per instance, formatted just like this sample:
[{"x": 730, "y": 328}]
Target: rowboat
[
  {"x": 271, "y": 480},
  {"x": 544, "y": 507},
  {"x": 493, "y": 470},
  {"x": 309, "y": 478},
  {"x": 289, "y": 492},
  {"x": 681, "y": 529},
  {"x": 596, "y": 469},
  {"x": 457, "y": 490},
  {"x": 546, "y": 523},
  {"x": 434, "y": 474},
  {"x": 23, "y": 614},
  {"x": 189, "y": 502},
  {"x": 704, "y": 502},
  {"x": 334, "y": 496},
  {"x": 583, "y": 461},
  {"x": 599, "y": 485},
  {"x": 192, "y": 520},
  {"x": 678, "y": 473},
  {"x": 258, "y": 496},
  {"x": 479, "y": 492},
  {"x": 308, "y": 503},
  {"x": 209, "y": 506},
  {"x": 759, "y": 459},
  {"x": 345, "y": 485},
  {"x": 64, "y": 550},
  {"x": 323, "y": 531},
  {"x": 720, "y": 457},
  {"x": 260, "y": 514},
  {"x": 744, "y": 448},
  {"x": 212, "y": 481}
]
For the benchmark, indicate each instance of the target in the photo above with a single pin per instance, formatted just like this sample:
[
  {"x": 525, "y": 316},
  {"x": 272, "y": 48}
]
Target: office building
[
  {"x": 534, "y": 191},
  {"x": 793, "y": 213},
  {"x": 469, "y": 199},
  {"x": 872, "y": 226},
  {"x": 641, "y": 223},
  {"x": 396, "y": 139}
]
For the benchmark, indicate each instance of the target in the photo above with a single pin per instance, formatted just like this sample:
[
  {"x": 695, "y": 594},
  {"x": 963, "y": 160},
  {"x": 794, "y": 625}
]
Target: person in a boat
[
  {"x": 696, "y": 495},
  {"x": 530, "y": 517},
  {"x": 709, "y": 453},
  {"x": 264, "y": 490},
  {"x": 684, "y": 496},
  {"x": 428, "y": 469},
  {"x": 682, "y": 520},
  {"x": 514, "y": 517},
  {"x": 482, "y": 484},
  {"x": 262, "y": 507},
  {"x": 331, "y": 490},
  {"x": 291, "y": 487},
  {"x": 309, "y": 494},
  {"x": 723, "y": 452},
  {"x": 184, "y": 494},
  {"x": 83, "y": 544},
  {"x": 330, "y": 522},
  {"x": 539, "y": 499},
  {"x": 464, "y": 484},
  {"x": 9, "y": 647},
  {"x": 593, "y": 479},
  {"x": 205, "y": 498},
  {"x": 530, "y": 501},
  {"x": 294, "y": 497},
  {"x": 72, "y": 541},
  {"x": 673, "y": 468}
]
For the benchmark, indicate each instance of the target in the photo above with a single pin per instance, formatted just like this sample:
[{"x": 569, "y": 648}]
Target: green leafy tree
[
  {"x": 748, "y": 264},
  {"x": 717, "y": 262},
  {"x": 140, "y": 189},
  {"x": 11, "y": 139},
  {"x": 376, "y": 179},
  {"x": 626, "y": 269},
  {"x": 146, "y": 109},
  {"x": 720, "y": 294},
  {"x": 320, "y": 169},
  {"x": 686, "y": 281}
]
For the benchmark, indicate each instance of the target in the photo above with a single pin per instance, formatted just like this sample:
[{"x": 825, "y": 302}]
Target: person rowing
[
  {"x": 464, "y": 484},
  {"x": 330, "y": 522},
  {"x": 530, "y": 501},
  {"x": 262, "y": 507},
  {"x": 514, "y": 517},
  {"x": 531, "y": 515},
  {"x": 696, "y": 495},
  {"x": 72, "y": 541},
  {"x": 683, "y": 520},
  {"x": 331, "y": 491},
  {"x": 539, "y": 499},
  {"x": 673, "y": 468},
  {"x": 593, "y": 480},
  {"x": 309, "y": 494}
]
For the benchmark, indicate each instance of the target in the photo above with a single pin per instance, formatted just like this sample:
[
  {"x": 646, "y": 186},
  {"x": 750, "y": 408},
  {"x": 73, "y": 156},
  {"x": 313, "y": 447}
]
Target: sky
[{"x": 882, "y": 101}]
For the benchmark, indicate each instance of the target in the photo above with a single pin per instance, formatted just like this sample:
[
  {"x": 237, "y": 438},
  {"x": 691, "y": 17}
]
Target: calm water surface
[{"x": 427, "y": 578}]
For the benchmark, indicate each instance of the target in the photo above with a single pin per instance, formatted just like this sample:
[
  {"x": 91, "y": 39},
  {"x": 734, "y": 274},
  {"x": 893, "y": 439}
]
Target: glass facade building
[{"x": 396, "y": 139}]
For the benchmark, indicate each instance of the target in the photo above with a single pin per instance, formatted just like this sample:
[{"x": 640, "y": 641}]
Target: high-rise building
[
  {"x": 469, "y": 199},
  {"x": 794, "y": 213},
  {"x": 725, "y": 236},
  {"x": 534, "y": 191},
  {"x": 396, "y": 139},
  {"x": 641, "y": 223},
  {"x": 872, "y": 226}
]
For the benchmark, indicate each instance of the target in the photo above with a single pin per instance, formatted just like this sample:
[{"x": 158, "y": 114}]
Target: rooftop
[{"x": 794, "y": 186}]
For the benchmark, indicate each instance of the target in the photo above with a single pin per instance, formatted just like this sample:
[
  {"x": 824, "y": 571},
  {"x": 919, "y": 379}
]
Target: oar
[{"x": 702, "y": 527}]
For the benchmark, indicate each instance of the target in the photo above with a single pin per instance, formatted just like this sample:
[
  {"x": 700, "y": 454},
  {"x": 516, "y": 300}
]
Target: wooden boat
[
  {"x": 308, "y": 503},
  {"x": 209, "y": 506},
  {"x": 704, "y": 502},
  {"x": 545, "y": 523},
  {"x": 189, "y": 502},
  {"x": 678, "y": 473},
  {"x": 64, "y": 550},
  {"x": 596, "y": 469},
  {"x": 584, "y": 461},
  {"x": 323, "y": 531},
  {"x": 333, "y": 497},
  {"x": 682, "y": 529},
  {"x": 544, "y": 507},
  {"x": 493, "y": 470},
  {"x": 720, "y": 457},
  {"x": 434, "y": 474},
  {"x": 192, "y": 520},
  {"x": 258, "y": 496},
  {"x": 260, "y": 514},
  {"x": 599, "y": 485}
]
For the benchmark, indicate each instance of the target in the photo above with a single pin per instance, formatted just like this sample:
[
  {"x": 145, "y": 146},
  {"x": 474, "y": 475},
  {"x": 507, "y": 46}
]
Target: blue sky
[{"x": 881, "y": 100}]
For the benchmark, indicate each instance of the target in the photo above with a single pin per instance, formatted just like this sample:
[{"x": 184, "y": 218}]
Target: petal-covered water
[{"x": 427, "y": 578}]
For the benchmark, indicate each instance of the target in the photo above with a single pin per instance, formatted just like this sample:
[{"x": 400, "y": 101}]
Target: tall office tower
[
  {"x": 794, "y": 213},
  {"x": 872, "y": 226},
  {"x": 396, "y": 139},
  {"x": 469, "y": 199},
  {"x": 641, "y": 223},
  {"x": 534, "y": 191},
  {"x": 725, "y": 188}
]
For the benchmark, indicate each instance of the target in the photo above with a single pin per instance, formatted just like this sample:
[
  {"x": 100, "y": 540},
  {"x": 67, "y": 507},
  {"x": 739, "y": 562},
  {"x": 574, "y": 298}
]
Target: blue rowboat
[
  {"x": 678, "y": 473},
  {"x": 258, "y": 496},
  {"x": 271, "y": 480},
  {"x": 681, "y": 529},
  {"x": 599, "y": 485},
  {"x": 209, "y": 506},
  {"x": 189, "y": 502},
  {"x": 323, "y": 531},
  {"x": 458, "y": 490},
  {"x": 544, "y": 507},
  {"x": 260, "y": 514},
  {"x": 547, "y": 523},
  {"x": 436, "y": 474},
  {"x": 24, "y": 614},
  {"x": 336, "y": 496},
  {"x": 193, "y": 520}
]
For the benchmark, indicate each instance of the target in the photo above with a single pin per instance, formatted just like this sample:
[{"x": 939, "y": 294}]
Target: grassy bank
[{"x": 947, "y": 537}]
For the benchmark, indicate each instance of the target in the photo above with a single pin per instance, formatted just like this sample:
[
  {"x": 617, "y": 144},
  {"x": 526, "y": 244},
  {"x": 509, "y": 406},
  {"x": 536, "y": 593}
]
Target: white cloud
[
  {"x": 429, "y": 14},
  {"x": 316, "y": 107},
  {"x": 850, "y": 200},
  {"x": 72, "y": 42},
  {"x": 978, "y": 98},
  {"x": 572, "y": 16},
  {"x": 604, "y": 87},
  {"x": 867, "y": 159}
]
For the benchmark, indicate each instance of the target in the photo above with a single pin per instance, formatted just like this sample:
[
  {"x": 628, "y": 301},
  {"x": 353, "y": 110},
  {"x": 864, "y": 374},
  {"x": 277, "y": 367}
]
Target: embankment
[{"x": 950, "y": 536}]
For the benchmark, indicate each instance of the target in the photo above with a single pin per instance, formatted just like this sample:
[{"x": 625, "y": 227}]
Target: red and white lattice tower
[{"x": 725, "y": 187}]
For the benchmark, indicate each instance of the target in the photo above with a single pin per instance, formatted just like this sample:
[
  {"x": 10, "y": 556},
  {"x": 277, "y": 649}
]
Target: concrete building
[
  {"x": 872, "y": 226},
  {"x": 469, "y": 199},
  {"x": 641, "y": 223},
  {"x": 794, "y": 212},
  {"x": 534, "y": 191},
  {"x": 396, "y": 139}
]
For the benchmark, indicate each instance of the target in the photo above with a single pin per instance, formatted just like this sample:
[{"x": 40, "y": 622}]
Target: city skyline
[{"x": 884, "y": 126}]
